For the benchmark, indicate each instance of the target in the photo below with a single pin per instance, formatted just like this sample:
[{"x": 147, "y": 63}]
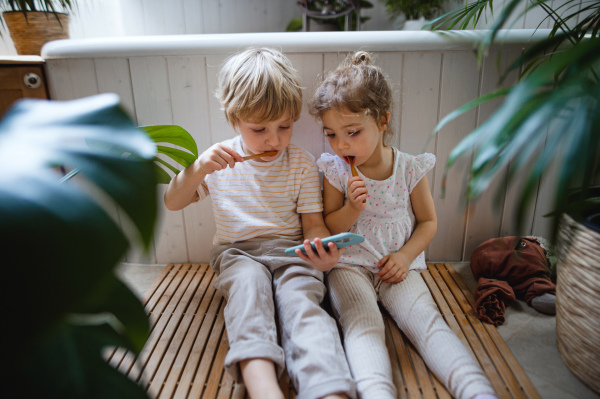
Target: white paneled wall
[
  {"x": 173, "y": 81},
  {"x": 118, "y": 18}
]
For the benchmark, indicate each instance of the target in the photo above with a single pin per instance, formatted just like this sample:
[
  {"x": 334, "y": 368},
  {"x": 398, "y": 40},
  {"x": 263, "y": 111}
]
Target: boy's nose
[{"x": 272, "y": 139}]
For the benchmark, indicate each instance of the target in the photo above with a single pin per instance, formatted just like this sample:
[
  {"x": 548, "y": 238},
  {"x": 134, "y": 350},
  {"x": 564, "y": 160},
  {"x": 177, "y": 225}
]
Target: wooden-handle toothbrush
[
  {"x": 354, "y": 171},
  {"x": 264, "y": 154}
]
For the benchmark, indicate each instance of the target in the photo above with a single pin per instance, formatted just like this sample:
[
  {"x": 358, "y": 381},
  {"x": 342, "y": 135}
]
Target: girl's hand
[
  {"x": 393, "y": 267},
  {"x": 321, "y": 260},
  {"x": 217, "y": 157},
  {"x": 357, "y": 193}
]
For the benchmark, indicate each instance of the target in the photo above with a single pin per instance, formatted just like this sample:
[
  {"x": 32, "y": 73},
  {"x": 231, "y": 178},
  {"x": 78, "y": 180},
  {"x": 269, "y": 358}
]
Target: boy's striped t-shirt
[{"x": 263, "y": 199}]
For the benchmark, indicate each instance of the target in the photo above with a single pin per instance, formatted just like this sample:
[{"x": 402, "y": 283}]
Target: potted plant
[
  {"x": 550, "y": 116},
  {"x": 63, "y": 301},
  {"x": 329, "y": 15},
  {"x": 415, "y": 12},
  {"x": 32, "y": 23}
]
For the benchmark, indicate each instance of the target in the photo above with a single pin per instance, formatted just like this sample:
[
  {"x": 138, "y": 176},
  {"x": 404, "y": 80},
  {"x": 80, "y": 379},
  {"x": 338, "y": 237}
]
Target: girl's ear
[{"x": 383, "y": 123}]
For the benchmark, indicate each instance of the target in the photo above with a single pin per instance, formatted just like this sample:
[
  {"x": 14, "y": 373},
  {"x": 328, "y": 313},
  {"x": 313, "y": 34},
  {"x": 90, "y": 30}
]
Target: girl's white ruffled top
[{"x": 388, "y": 221}]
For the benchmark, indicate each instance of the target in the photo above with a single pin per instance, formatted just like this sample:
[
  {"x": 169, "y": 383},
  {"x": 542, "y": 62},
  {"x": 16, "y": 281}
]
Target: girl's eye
[
  {"x": 354, "y": 133},
  {"x": 329, "y": 135},
  {"x": 258, "y": 130},
  {"x": 285, "y": 127}
]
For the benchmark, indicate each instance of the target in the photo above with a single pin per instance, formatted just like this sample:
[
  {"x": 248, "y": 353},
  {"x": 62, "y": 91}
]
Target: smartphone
[{"x": 341, "y": 240}]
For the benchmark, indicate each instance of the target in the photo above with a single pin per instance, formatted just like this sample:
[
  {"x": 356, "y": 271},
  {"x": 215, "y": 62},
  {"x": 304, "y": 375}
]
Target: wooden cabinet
[{"x": 21, "y": 77}]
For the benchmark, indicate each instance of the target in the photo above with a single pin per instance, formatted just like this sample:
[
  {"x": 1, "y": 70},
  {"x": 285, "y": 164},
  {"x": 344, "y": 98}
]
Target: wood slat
[
  {"x": 483, "y": 338},
  {"x": 197, "y": 304},
  {"x": 191, "y": 338},
  {"x": 481, "y": 355},
  {"x": 185, "y": 354},
  {"x": 160, "y": 317},
  {"x": 158, "y": 286},
  {"x": 458, "y": 284}
]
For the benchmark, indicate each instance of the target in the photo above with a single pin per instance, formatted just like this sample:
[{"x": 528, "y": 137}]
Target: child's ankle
[
  {"x": 336, "y": 396},
  {"x": 485, "y": 396}
]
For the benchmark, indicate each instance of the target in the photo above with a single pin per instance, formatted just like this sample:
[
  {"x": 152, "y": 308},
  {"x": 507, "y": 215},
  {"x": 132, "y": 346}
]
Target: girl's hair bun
[{"x": 361, "y": 57}]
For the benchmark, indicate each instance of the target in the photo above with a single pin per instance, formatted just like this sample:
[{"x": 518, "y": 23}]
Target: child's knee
[{"x": 244, "y": 277}]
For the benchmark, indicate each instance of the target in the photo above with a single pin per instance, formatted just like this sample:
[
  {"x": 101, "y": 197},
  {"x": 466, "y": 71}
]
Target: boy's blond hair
[{"x": 259, "y": 85}]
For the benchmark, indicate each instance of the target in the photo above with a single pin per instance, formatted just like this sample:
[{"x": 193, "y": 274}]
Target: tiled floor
[{"x": 530, "y": 335}]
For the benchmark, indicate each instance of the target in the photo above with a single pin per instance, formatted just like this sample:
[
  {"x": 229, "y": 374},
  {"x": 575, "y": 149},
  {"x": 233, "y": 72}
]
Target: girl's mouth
[{"x": 349, "y": 158}]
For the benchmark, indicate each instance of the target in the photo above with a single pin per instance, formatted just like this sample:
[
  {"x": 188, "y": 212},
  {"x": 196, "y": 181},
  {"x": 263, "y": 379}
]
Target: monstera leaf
[
  {"x": 61, "y": 243},
  {"x": 174, "y": 136}
]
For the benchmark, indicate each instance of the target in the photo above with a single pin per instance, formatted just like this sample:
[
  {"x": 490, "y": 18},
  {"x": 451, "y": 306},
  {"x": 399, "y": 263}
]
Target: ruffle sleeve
[
  {"x": 420, "y": 165},
  {"x": 329, "y": 165}
]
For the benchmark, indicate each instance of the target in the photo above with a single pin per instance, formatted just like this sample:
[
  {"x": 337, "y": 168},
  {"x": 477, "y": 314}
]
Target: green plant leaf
[
  {"x": 183, "y": 158},
  {"x": 62, "y": 243},
  {"x": 68, "y": 364},
  {"x": 172, "y": 134},
  {"x": 294, "y": 25},
  {"x": 176, "y": 136},
  {"x": 111, "y": 296},
  {"x": 162, "y": 177}
]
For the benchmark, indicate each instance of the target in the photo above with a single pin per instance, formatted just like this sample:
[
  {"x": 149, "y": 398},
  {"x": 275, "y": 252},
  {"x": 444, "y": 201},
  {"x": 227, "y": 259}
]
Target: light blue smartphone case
[{"x": 341, "y": 240}]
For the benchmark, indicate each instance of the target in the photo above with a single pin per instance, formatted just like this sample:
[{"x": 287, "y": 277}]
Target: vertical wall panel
[
  {"x": 459, "y": 72},
  {"x": 232, "y": 16},
  {"x": 153, "y": 107},
  {"x": 420, "y": 94},
  {"x": 193, "y": 14},
  {"x": 537, "y": 18},
  {"x": 306, "y": 129},
  {"x": 59, "y": 80},
  {"x": 134, "y": 23},
  {"x": 83, "y": 76},
  {"x": 154, "y": 17},
  {"x": 175, "y": 17},
  {"x": 114, "y": 77},
  {"x": 586, "y": 7},
  {"x": 484, "y": 219},
  {"x": 544, "y": 202},
  {"x": 188, "y": 86},
  {"x": 330, "y": 63},
  {"x": 259, "y": 16},
  {"x": 219, "y": 128},
  {"x": 239, "y": 19},
  {"x": 419, "y": 106},
  {"x": 391, "y": 64},
  {"x": 70, "y": 79},
  {"x": 511, "y": 202},
  {"x": 211, "y": 16}
]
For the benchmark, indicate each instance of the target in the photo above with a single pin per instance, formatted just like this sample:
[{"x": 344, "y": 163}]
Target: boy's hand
[
  {"x": 357, "y": 193},
  {"x": 321, "y": 260},
  {"x": 393, "y": 267},
  {"x": 217, "y": 157}
]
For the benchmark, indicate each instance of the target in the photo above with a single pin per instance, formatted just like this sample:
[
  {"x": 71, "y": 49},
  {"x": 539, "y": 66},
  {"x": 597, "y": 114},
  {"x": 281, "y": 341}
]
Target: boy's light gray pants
[{"x": 255, "y": 277}]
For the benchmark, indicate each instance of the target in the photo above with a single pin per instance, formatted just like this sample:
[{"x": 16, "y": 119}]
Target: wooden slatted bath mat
[{"x": 184, "y": 355}]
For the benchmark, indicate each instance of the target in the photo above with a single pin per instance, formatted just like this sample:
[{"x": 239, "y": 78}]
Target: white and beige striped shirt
[{"x": 263, "y": 199}]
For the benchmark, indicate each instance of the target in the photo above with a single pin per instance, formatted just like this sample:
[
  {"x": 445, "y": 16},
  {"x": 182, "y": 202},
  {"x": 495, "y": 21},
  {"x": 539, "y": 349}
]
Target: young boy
[{"x": 263, "y": 206}]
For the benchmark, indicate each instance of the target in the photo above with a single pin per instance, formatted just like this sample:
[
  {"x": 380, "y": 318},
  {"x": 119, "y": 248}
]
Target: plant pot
[
  {"x": 29, "y": 35},
  {"x": 578, "y": 295},
  {"x": 328, "y": 25},
  {"x": 414, "y": 24}
]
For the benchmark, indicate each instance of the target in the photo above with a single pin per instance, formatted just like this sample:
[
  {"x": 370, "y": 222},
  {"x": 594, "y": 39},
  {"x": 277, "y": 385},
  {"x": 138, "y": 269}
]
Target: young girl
[{"x": 390, "y": 204}]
